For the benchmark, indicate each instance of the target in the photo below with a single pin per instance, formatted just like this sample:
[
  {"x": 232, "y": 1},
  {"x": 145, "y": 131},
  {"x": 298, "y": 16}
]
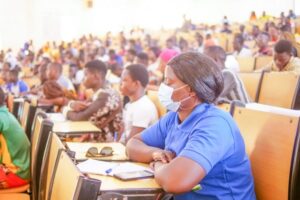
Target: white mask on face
[{"x": 165, "y": 93}]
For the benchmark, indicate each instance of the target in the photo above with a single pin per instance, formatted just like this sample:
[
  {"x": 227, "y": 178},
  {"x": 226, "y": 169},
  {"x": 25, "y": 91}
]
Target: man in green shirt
[{"x": 14, "y": 150}]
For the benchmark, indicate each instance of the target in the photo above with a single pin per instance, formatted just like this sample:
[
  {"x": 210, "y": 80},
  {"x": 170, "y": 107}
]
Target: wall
[{"x": 43, "y": 20}]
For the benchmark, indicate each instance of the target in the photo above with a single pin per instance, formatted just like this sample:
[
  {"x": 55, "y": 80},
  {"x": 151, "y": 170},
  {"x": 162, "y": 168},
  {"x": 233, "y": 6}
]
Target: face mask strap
[
  {"x": 183, "y": 86},
  {"x": 185, "y": 100}
]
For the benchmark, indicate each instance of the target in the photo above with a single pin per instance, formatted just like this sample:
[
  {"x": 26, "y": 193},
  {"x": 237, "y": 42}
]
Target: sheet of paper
[
  {"x": 56, "y": 117},
  {"x": 95, "y": 166},
  {"x": 109, "y": 168}
]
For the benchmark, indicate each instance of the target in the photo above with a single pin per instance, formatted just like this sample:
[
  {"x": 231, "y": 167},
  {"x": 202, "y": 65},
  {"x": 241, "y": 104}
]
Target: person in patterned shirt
[{"x": 105, "y": 109}]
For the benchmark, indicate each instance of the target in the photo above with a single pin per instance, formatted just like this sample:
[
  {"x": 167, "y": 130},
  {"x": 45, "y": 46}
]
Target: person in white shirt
[
  {"x": 140, "y": 112},
  {"x": 240, "y": 50}
]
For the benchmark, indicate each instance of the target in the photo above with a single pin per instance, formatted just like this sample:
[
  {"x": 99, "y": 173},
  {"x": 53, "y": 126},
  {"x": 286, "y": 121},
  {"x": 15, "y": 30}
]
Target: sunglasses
[{"x": 93, "y": 152}]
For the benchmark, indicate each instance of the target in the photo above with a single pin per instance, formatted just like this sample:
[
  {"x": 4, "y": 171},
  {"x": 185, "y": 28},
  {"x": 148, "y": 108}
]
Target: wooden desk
[
  {"x": 74, "y": 128},
  {"x": 135, "y": 188},
  {"x": 80, "y": 149}
]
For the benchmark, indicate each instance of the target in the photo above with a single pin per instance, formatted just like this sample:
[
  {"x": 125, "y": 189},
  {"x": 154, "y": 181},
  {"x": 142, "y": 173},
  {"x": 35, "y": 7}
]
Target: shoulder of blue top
[{"x": 197, "y": 187}]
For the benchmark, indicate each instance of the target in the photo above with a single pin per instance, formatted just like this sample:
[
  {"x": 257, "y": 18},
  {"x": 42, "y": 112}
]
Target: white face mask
[{"x": 165, "y": 93}]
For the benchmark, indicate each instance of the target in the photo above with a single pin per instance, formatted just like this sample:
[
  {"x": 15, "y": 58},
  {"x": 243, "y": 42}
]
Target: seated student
[
  {"x": 240, "y": 50},
  {"x": 283, "y": 59},
  {"x": 4, "y": 73},
  {"x": 105, "y": 110},
  {"x": 233, "y": 87},
  {"x": 195, "y": 144},
  {"x": 140, "y": 112},
  {"x": 14, "y": 85},
  {"x": 38, "y": 89},
  {"x": 156, "y": 76},
  {"x": 285, "y": 35},
  {"x": 130, "y": 55},
  {"x": 14, "y": 150},
  {"x": 142, "y": 58},
  {"x": 53, "y": 94},
  {"x": 262, "y": 41},
  {"x": 54, "y": 72}
]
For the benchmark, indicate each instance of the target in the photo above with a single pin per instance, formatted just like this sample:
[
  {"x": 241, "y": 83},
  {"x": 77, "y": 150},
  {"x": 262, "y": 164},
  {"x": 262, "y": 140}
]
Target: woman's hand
[{"x": 163, "y": 156}]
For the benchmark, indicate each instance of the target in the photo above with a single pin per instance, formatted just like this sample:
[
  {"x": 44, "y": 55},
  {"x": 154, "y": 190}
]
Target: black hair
[
  {"x": 14, "y": 72},
  {"x": 143, "y": 56},
  {"x": 216, "y": 53},
  {"x": 239, "y": 37},
  {"x": 139, "y": 73},
  {"x": 286, "y": 28},
  {"x": 7, "y": 63},
  {"x": 111, "y": 51},
  {"x": 283, "y": 46},
  {"x": 156, "y": 51},
  {"x": 201, "y": 73},
  {"x": 96, "y": 66},
  {"x": 131, "y": 51}
]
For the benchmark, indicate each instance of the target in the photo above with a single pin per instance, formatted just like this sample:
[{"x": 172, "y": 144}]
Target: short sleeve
[
  {"x": 143, "y": 117},
  {"x": 209, "y": 143},
  {"x": 155, "y": 135}
]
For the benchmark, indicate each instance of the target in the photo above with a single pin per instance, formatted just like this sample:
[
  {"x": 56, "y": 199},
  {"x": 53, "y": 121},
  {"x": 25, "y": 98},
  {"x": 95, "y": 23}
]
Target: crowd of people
[{"x": 106, "y": 79}]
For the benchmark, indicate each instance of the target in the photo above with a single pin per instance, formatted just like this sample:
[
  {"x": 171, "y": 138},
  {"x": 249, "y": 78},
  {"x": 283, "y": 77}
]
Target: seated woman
[
  {"x": 196, "y": 150},
  {"x": 14, "y": 150}
]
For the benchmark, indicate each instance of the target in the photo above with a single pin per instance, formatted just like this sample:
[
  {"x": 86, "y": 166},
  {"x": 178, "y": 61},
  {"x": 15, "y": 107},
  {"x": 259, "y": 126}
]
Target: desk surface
[
  {"x": 74, "y": 127},
  {"x": 81, "y": 148},
  {"x": 109, "y": 183}
]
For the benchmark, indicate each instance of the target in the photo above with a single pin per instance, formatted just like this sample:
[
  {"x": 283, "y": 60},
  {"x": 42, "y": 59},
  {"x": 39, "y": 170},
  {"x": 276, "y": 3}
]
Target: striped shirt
[{"x": 233, "y": 88}]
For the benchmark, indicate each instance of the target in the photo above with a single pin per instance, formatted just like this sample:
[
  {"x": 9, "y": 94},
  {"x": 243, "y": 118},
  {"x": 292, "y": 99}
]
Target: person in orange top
[{"x": 253, "y": 16}]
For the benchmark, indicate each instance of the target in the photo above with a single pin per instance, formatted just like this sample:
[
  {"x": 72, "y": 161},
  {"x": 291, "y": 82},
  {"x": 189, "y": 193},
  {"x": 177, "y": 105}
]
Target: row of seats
[
  {"x": 250, "y": 64},
  {"x": 54, "y": 176},
  {"x": 272, "y": 88}
]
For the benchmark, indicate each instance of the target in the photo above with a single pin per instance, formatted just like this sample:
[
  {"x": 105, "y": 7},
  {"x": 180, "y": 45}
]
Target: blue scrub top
[{"x": 211, "y": 138}]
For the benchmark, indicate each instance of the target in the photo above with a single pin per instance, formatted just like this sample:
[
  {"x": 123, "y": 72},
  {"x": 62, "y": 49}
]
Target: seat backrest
[
  {"x": 279, "y": 89},
  {"x": 252, "y": 82},
  {"x": 224, "y": 106},
  {"x": 53, "y": 146},
  {"x": 69, "y": 183},
  {"x": 39, "y": 138},
  {"x": 272, "y": 144},
  {"x": 262, "y": 61},
  {"x": 24, "y": 115},
  {"x": 65, "y": 181},
  {"x": 17, "y": 107},
  {"x": 246, "y": 64},
  {"x": 153, "y": 95}
]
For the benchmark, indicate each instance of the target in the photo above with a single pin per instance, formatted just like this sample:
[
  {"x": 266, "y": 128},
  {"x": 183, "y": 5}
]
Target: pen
[
  {"x": 115, "y": 137},
  {"x": 109, "y": 170}
]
